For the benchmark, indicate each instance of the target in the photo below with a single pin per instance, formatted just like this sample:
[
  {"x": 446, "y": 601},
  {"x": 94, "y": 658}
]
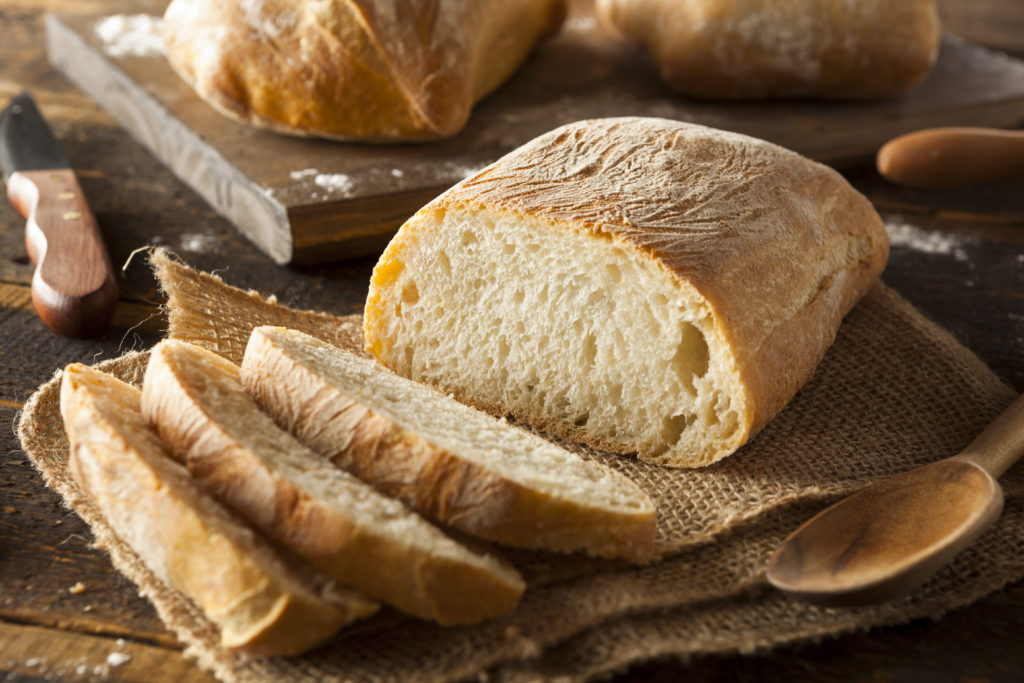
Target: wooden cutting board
[{"x": 306, "y": 201}]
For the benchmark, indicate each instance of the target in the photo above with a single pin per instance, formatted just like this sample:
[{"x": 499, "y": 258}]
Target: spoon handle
[
  {"x": 937, "y": 157},
  {"x": 1002, "y": 442}
]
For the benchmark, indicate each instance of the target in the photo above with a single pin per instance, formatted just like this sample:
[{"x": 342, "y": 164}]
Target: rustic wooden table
[{"x": 65, "y": 614}]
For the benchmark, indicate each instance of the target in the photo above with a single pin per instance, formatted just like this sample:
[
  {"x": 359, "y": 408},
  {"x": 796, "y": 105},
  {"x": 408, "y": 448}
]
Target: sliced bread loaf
[
  {"x": 641, "y": 285},
  {"x": 451, "y": 462},
  {"x": 261, "y": 604},
  {"x": 362, "y": 538}
]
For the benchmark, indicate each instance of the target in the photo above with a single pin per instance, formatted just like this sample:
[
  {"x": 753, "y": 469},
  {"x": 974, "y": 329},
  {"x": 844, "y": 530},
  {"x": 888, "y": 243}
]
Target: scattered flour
[
  {"x": 334, "y": 182},
  {"x": 197, "y": 242},
  {"x": 928, "y": 241},
  {"x": 136, "y": 35},
  {"x": 338, "y": 183},
  {"x": 116, "y": 659},
  {"x": 414, "y": 174}
]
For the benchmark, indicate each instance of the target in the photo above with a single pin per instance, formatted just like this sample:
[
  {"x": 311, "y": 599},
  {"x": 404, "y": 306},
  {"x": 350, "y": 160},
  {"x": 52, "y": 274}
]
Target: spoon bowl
[{"x": 888, "y": 538}]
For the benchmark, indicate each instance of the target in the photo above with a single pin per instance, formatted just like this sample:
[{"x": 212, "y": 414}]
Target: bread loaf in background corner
[
  {"x": 748, "y": 49},
  {"x": 641, "y": 285},
  {"x": 375, "y": 70}
]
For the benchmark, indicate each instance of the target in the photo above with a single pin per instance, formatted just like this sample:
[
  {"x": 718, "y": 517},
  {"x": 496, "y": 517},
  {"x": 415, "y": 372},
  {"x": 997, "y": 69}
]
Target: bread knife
[{"x": 74, "y": 289}]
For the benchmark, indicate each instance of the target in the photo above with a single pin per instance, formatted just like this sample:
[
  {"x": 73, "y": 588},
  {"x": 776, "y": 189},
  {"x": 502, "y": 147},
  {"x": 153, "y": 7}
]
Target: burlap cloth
[{"x": 894, "y": 392}]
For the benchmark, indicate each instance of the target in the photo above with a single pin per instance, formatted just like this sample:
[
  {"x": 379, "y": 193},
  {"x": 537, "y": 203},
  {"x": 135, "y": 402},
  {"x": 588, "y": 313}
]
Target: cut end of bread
[{"x": 577, "y": 333}]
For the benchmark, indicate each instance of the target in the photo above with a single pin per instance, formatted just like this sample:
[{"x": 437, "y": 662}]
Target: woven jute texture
[{"x": 894, "y": 392}]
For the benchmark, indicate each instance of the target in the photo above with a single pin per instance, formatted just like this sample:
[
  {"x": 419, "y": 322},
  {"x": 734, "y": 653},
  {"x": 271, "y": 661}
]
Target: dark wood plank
[
  {"x": 958, "y": 255},
  {"x": 51, "y": 575},
  {"x": 997, "y": 23},
  {"x": 34, "y": 653},
  {"x": 266, "y": 184}
]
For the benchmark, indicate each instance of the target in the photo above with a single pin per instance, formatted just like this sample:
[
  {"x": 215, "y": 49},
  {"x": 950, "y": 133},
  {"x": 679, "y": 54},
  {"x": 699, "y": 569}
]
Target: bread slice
[
  {"x": 451, "y": 462},
  {"x": 353, "y": 69},
  {"x": 260, "y": 604},
  {"x": 343, "y": 526},
  {"x": 641, "y": 285}
]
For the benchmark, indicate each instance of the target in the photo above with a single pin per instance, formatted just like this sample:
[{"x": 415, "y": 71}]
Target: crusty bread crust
[
  {"x": 353, "y": 69},
  {"x": 324, "y": 396},
  {"x": 183, "y": 536},
  {"x": 740, "y": 49},
  {"x": 770, "y": 247},
  {"x": 340, "y": 524}
]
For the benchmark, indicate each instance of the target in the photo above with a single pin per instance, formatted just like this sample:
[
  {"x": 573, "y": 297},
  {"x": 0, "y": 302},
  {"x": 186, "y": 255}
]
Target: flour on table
[
  {"x": 116, "y": 659},
  {"x": 136, "y": 35},
  {"x": 198, "y": 242},
  {"x": 928, "y": 241}
]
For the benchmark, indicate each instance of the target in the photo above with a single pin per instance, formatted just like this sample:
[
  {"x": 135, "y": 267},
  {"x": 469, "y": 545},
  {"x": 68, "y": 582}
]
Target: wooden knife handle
[
  {"x": 73, "y": 289},
  {"x": 941, "y": 157}
]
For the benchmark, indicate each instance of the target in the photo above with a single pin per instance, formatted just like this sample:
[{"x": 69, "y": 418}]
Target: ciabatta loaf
[
  {"x": 642, "y": 285},
  {"x": 341, "y": 525},
  {"x": 261, "y": 604},
  {"x": 353, "y": 69},
  {"x": 451, "y": 462},
  {"x": 842, "y": 49}
]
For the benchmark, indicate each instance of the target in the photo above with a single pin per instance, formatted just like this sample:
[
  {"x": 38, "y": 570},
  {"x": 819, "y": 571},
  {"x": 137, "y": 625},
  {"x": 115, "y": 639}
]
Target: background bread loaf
[
  {"x": 353, "y": 69},
  {"x": 260, "y": 603},
  {"x": 642, "y": 285},
  {"x": 739, "y": 49}
]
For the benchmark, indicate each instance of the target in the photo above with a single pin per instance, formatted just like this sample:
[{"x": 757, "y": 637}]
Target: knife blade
[{"x": 74, "y": 289}]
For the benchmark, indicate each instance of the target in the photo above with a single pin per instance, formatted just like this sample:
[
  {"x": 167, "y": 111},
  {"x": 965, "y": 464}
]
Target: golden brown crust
[
  {"x": 778, "y": 246},
  {"x": 440, "y": 484},
  {"x": 739, "y": 49},
  {"x": 191, "y": 394},
  {"x": 185, "y": 538},
  {"x": 353, "y": 69}
]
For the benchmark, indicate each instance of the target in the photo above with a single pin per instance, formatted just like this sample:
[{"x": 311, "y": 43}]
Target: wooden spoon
[
  {"x": 938, "y": 157},
  {"x": 886, "y": 539}
]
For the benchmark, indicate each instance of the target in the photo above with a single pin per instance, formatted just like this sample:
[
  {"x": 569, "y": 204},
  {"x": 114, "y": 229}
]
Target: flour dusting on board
[
  {"x": 334, "y": 182},
  {"x": 413, "y": 175},
  {"x": 136, "y": 35}
]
